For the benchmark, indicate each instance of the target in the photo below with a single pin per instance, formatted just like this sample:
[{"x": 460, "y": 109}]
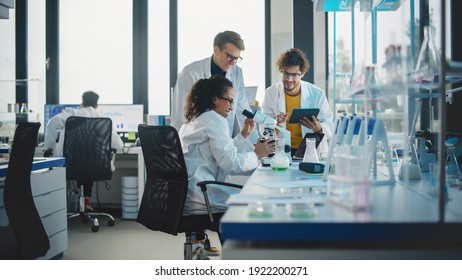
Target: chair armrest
[{"x": 203, "y": 186}]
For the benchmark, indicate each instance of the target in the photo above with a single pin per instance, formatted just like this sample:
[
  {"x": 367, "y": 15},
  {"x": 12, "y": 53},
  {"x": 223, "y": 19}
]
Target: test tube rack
[{"x": 354, "y": 132}]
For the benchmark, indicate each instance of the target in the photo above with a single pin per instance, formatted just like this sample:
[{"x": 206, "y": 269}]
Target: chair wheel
[
  {"x": 95, "y": 228},
  {"x": 111, "y": 223}
]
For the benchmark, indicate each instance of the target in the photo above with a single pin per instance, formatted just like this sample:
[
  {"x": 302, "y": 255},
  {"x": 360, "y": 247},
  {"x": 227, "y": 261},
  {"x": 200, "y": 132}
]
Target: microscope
[{"x": 270, "y": 125}]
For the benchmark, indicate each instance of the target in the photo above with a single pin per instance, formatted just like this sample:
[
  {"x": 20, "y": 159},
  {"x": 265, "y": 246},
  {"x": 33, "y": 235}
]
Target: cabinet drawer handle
[{"x": 45, "y": 217}]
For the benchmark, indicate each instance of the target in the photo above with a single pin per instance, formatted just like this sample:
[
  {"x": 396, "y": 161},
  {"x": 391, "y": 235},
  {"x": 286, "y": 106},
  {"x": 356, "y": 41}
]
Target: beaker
[{"x": 311, "y": 155}]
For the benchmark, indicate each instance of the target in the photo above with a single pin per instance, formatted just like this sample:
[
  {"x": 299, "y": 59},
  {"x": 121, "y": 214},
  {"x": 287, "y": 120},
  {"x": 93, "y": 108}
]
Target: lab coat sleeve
[
  {"x": 270, "y": 102},
  {"x": 54, "y": 127},
  {"x": 183, "y": 85},
  {"x": 226, "y": 154},
  {"x": 242, "y": 144},
  {"x": 242, "y": 104},
  {"x": 325, "y": 116},
  {"x": 116, "y": 141}
]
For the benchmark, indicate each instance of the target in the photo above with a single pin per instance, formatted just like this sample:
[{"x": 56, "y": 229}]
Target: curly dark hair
[
  {"x": 293, "y": 57},
  {"x": 202, "y": 95}
]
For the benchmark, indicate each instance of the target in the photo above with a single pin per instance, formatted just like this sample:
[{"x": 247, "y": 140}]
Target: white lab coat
[
  {"x": 210, "y": 154},
  {"x": 55, "y": 128},
  {"x": 311, "y": 97},
  {"x": 201, "y": 70}
]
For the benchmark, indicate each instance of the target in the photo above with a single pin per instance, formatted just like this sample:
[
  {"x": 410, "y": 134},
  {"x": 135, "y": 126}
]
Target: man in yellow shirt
[{"x": 281, "y": 98}]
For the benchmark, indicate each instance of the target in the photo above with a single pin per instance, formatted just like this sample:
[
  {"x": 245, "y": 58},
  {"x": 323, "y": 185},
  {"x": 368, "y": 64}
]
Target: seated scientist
[
  {"x": 210, "y": 153},
  {"x": 54, "y": 143}
]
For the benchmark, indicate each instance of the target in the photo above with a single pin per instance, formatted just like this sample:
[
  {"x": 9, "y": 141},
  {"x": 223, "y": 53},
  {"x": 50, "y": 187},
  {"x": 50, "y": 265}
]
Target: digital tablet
[{"x": 299, "y": 113}]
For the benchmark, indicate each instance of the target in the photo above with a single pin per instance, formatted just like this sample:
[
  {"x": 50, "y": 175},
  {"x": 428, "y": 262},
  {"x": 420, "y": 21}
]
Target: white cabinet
[{"x": 49, "y": 192}]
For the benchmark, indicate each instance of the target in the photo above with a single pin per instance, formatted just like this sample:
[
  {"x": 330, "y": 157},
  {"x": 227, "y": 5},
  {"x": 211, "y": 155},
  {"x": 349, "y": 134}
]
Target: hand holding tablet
[{"x": 299, "y": 113}]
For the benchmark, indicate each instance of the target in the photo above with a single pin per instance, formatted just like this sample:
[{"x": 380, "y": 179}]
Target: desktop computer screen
[
  {"x": 50, "y": 110},
  {"x": 125, "y": 117}
]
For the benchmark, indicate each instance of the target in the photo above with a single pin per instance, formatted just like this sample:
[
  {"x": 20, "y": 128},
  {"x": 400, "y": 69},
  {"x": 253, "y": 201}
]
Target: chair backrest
[
  {"x": 19, "y": 202},
  {"x": 87, "y": 148},
  {"x": 167, "y": 179}
]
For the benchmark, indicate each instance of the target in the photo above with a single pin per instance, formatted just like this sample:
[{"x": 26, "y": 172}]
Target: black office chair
[
  {"x": 88, "y": 154},
  {"x": 25, "y": 237},
  {"x": 166, "y": 187}
]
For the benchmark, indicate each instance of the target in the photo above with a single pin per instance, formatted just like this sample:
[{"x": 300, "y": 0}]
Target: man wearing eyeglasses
[
  {"x": 227, "y": 47},
  {"x": 292, "y": 92}
]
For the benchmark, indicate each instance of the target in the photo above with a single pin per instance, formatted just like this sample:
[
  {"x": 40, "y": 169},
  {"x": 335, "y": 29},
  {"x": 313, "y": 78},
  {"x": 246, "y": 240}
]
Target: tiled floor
[{"x": 127, "y": 240}]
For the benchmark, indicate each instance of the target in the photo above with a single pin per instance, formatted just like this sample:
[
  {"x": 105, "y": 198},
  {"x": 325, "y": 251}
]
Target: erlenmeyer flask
[
  {"x": 452, "y": 167},
  {"x": 311, "y": 155},
  {"x": 429, "y": 61},
  {"x": 280, "y": 161}
]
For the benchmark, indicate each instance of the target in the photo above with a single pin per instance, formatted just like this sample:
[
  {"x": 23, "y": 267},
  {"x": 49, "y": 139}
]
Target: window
[
  {"x": 200, "y": 20},
  {"x": 7, "y": 62},
  {"x": 159, "y": 57},
  {"x": 96, "y": 50},
  {"x": 36, "y": 60}
]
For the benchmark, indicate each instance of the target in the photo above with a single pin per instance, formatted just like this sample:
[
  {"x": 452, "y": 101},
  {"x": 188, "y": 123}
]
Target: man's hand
[
  {"x": 313, "y": 124},
  {"x": 281, "y": 118}
]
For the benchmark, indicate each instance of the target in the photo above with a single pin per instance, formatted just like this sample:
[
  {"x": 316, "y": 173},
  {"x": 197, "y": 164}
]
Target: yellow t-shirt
[{"x": 295, "y": 129}]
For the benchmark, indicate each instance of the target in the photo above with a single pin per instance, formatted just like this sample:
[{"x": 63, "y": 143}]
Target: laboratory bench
[{"x": 400, "y": 221}]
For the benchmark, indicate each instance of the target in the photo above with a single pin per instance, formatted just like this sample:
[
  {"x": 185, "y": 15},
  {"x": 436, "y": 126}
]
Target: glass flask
[
  {"x": 24, "y": 108},
  {"x": 453, "y": 174},
  {"x": 311, "y": 155},
  {"x": 280, "y": 161},
  {"x": 429, "y": 60},
  {"x": 380, "y": 153}
]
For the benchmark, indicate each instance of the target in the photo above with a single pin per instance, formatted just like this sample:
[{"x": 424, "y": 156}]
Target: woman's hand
[
  {"x": 249, "y": 126},
  {"x": 265, "y": 148}
]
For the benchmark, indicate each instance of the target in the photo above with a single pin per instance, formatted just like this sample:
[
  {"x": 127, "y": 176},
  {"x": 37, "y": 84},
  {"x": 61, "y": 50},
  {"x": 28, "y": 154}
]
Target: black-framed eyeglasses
[
  {"x": 230, "y": 58},
  {"x": 230, "y": 100},
  {"x": 293, "y": 75}
]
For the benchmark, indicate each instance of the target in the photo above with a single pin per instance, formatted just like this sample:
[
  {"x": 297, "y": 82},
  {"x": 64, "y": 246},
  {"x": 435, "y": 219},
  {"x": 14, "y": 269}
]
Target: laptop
[{"x": 301, "y": 148}]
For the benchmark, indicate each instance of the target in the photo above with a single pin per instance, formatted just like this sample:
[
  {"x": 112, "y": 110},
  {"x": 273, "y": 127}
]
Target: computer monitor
[
  {"x": 51, "y": 110},
  {"x": 251, "y": 94},
  {"x": 125, "y": 117}
]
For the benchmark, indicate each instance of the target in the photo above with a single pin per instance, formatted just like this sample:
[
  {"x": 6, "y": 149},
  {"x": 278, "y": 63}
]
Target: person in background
[
  {"x": 209, "y": 152},
  {"x": 292, "y": 93},
  {"x": 227, "y": 48},
  {"x": 54, "y": 143}
]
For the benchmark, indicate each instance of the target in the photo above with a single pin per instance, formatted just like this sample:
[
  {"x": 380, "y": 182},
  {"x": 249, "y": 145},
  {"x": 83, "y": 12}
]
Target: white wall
[{"x": 282, "y": 39}]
